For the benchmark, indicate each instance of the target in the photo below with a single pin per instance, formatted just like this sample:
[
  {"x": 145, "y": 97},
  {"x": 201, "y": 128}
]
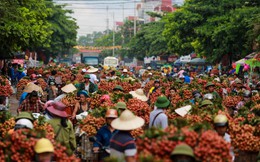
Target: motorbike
[{"x": 103, "y": 152}]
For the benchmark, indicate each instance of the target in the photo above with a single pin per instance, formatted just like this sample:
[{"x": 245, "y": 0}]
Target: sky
[{"x": 92, "y": 15}]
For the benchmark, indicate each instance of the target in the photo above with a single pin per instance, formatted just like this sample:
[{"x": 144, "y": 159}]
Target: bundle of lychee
[
  {"x": 5, "y": 87},
  {"x": 139, "y": 108},
  {"x": 91, "y": 125},
  {"x": 19, "y": 146}
]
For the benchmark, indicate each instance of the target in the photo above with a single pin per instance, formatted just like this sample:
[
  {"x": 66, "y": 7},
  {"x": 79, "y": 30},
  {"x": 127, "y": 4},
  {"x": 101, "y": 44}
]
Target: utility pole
[
  {"x": 123, "y": 14},
  {"x": 123, "y": 41},
  {"x": 107, "y": 22},
  {"x": 113, "y": 34},
  {"x": 134, "y": 19}
]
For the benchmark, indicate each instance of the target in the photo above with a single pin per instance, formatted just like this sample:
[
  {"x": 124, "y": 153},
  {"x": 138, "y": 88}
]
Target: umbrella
[
  {"x": 241, "y": 62},
  {"x": 177, "y": 62},
  {"x": 253, "y": 62},
  {"x": 197, "y": 61}
]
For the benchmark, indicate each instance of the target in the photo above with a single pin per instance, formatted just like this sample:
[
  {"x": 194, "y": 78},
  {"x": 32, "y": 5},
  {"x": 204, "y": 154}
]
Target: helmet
[
  {"x": 25, "y": 115},
  {"x": 220, "y": 120},
  {"x": 183, "y": 149},
  {"x": 111, "y": 113},
  {"x": 208, "y": 96},
  {"x": 205, "y": 103},
  {"x": 24, "y": 123},
  {"x": 209, "y": 84},
  {"x": 43, "y": 145},
  {"x": 121, "y": 105},
  {"x": 247, "y": 93}
]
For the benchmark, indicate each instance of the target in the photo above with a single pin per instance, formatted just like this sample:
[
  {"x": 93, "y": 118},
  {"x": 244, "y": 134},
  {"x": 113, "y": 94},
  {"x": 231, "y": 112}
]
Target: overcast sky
[{"x": 92, "y": 15}]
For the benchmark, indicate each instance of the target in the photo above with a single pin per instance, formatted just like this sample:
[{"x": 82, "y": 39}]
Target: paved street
[{"x": 13, "y": 105}]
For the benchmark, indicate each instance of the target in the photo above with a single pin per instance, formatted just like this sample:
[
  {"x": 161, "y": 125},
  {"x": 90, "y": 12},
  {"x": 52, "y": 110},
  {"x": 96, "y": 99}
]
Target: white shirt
[
  {"x": 87, "y": 87},
  {"x": 93, "y": 78},
  {"x": 228, "y": 139}
]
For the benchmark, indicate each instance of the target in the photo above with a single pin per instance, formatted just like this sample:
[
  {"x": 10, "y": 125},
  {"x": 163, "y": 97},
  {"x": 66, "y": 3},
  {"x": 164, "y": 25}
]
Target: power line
[{"x": 95, "y": 3}]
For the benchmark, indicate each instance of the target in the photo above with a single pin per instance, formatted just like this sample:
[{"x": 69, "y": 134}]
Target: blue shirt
[
  {"x": 103, "y": 136},
  {"x": 23, "y": 97},
  {"x": 20, "y": 75},
  {"x": 186, "y": 79}
]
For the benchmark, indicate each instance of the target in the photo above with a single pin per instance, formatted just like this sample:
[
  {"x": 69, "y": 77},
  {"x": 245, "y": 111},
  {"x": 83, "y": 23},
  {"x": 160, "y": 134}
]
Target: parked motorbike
[{"x": 103, "y": 151}]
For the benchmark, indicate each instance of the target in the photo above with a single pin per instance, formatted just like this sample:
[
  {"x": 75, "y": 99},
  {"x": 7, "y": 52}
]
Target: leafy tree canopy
[{"x": 213, "y": 28}]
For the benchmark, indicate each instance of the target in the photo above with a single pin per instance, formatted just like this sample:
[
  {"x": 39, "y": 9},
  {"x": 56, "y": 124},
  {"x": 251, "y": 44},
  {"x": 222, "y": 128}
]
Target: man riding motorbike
[{"x": 105, "y": 133}]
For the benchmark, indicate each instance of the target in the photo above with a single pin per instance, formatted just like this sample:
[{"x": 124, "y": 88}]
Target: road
[{"x": 14, "y": 103}]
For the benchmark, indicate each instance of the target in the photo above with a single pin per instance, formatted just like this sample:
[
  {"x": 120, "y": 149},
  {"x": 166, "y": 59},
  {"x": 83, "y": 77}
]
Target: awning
[
  {"x": 241, "y": 61},
  {"x": 197, "y": 61},
  {"x": 18, "y": 61}
]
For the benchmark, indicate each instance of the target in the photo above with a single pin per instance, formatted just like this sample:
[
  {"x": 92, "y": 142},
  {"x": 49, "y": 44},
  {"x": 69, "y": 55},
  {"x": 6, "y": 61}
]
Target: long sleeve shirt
[
  {"x": 103, "y": 136},
  {"x": 65, "y": 136}
]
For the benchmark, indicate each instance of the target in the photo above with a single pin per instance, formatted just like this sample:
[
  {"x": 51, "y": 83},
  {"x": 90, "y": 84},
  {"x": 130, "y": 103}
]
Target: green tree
[
  {"x": 23, "y": 24},
  {"x": 64, "y": 29},
  {"x": 148, "y": 41},
  {"x": 213, "y": 28}
]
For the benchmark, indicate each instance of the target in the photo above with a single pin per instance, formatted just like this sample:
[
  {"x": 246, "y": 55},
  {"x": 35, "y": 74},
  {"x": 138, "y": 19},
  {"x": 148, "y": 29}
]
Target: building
[{"x": 153, "y": 6}]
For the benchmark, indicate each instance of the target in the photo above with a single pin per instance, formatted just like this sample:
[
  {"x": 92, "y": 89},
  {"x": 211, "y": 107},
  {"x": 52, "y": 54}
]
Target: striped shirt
[{"x": 122, "y": 144}]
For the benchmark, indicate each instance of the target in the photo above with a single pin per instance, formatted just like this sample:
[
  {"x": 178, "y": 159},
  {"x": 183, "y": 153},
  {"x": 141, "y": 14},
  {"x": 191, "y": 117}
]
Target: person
[
  {"x": 186, "y": 78},
  {"x": 44, "y": 150},
  {"x": 72, "y": 78},
  {"x": 32, "y": 104},
  {"x": 28, "y": 89},
  {"x": 154, "y": 88},
  {"x": 121, "y": 106},
  {"x": 246, "y": 99},
  {"x": 33, "y": 77},
  {"x": 197, "y": 97},
  {"x": 221, "y": 127},
  {"x": 105, "y": 99},
  {"x": 158, "y": 118},
  {"x": 63, "y": 128},
  {"x": 205, "y": 104},
  {"x": 23, "y": 124},
  {"x": 173, "y": 91},
  {"x": 20, "y": 73},
  {"x": 92, "y": 74},
  {"x": 118, "y": 89},
  {"x": 83, "y": 71},
  {"x": 52, "y": 89},
  {"x": 82, "y": 105},
  {"x": 122, "y": 144},
  {"x": 112, "y": 75},
  {"x": 211, "y": 89},
  {"x": 3, "y": 109},
  {"x": 125, "y": 74},
  {"x": 182, "y": 153},
  {"x": 88, "y": 85},
  {"x": 237, "y": 86},
  {"x": 147, "y": 80},
  {"x": 105, "y": 133},
  {"x": 139, "y": 94},
  {"x": 25, "y": 115}
]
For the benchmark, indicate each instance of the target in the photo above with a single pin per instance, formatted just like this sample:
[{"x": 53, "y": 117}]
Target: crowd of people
[{"x": 115, "y": 134}]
